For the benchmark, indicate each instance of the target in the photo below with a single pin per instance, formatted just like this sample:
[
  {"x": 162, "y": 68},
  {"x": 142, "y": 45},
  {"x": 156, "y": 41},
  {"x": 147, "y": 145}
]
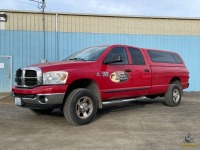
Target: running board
[{"x": 123, "y": 100}]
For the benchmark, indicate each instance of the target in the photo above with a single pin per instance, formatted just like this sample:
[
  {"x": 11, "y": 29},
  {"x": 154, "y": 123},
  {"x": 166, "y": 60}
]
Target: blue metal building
[{"x": 23, "y": 41}]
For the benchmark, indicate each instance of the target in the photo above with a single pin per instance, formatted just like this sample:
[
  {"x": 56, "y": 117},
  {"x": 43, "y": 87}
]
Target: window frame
[
  {"x": 118, "y": 63},
  {"x": 134, "y": 59},
  {"x": 175, "y": 61}
]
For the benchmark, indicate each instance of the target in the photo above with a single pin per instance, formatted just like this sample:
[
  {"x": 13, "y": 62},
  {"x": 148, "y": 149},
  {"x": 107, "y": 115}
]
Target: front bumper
[
  {"x": 42, "y": 97},
  {"x": 40, "y": 101}
]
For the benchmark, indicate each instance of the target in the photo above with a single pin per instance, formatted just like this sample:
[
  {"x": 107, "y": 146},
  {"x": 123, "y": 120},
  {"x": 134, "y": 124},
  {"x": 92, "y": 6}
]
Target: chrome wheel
[
  {"x": 173, "y": 95},
  {"x": 176, "y": 95},
  {"x": 84, "y": 107}
]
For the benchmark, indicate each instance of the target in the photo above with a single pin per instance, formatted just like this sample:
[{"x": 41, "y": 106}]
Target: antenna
[{"x": 41, "y": 5}]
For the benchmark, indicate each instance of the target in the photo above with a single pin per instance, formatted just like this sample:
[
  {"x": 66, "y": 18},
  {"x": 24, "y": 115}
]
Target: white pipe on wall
[
  {"x": 57, "y": 47},
  {"x": 56, "y": 22}
]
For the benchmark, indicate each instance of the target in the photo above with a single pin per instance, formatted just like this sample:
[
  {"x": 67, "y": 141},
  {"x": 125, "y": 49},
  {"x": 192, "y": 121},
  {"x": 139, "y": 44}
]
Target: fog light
[{"x": 43, "y": 99}]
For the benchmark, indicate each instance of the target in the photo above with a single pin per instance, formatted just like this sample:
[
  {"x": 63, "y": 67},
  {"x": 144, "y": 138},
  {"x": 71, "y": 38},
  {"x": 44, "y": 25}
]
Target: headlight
[{"x": 55, "y": 77}]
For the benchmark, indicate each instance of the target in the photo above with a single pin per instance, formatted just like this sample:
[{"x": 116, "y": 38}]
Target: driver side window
[{"x": 118, "y": 51}]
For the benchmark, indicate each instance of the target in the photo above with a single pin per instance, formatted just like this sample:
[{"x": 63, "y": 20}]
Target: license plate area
[{"x": 18, "y": 101}]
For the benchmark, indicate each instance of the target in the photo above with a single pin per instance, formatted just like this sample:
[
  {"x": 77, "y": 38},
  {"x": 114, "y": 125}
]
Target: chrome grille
[
  {"x": 28, "y": 77},
  {"x": 30, "y": 73}
]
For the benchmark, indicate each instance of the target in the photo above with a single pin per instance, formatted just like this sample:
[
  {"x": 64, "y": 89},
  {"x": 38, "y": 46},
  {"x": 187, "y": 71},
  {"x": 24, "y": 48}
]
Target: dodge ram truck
[{"x": 80, "y": 84}]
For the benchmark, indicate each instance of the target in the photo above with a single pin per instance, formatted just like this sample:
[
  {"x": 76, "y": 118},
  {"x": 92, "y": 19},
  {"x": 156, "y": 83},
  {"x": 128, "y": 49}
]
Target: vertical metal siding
[
  {"x": 26, "y": 47},
  {"x": 103, "y": 24}
]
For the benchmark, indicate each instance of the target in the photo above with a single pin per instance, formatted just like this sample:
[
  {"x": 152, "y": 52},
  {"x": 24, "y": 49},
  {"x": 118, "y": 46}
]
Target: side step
[{"x": 123, "y": 100}]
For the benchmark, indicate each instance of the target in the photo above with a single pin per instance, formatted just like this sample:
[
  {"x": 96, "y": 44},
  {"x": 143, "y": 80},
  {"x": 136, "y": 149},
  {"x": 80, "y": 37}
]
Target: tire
[
  {"x": 173, "y": 95},
  {"x": 177, "y": 82},
  {"x": 42, "y": 111},
  {"x": 80, "y": 107}
]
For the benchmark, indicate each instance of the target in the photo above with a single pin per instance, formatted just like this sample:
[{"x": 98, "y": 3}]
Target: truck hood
[{"x": 64, "y": 65}]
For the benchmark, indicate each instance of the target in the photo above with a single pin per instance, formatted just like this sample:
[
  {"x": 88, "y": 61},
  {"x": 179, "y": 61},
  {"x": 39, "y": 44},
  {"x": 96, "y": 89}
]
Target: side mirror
[{"x": 115, "y": 58}]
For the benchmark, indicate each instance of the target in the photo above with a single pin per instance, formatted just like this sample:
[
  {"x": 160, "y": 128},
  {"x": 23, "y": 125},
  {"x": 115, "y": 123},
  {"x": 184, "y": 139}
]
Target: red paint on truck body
[{"x": 149, "y": 79}]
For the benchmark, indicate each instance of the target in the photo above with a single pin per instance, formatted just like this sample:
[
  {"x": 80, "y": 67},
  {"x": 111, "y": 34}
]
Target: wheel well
[
  {"x": 84, "y": 83},
  {"x": 175, "y": 79}
]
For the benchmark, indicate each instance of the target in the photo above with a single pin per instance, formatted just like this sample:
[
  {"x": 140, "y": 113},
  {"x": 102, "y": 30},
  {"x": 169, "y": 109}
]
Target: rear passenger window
[
  {"x": 177, "y": 58},
  {"x": 163, "y": 57},
  {"x": 136, "y": 56}
]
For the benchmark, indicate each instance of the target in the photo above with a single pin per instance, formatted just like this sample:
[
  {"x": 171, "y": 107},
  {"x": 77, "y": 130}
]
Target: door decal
[{"x": 119, "y": 76}]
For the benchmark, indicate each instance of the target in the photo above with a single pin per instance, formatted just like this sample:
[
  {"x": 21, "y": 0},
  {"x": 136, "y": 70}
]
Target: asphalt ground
[{"x": 143, "y": 125}]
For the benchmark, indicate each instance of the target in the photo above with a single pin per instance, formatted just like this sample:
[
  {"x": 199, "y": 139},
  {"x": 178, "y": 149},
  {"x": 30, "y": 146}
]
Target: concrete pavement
[
  {"x": 4, "y": 95},
  {"x": 140, "y": 125}
]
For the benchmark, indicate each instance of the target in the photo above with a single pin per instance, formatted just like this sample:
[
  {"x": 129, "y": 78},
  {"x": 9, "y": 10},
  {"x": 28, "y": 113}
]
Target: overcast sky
[{"x": 174, "y": 8}]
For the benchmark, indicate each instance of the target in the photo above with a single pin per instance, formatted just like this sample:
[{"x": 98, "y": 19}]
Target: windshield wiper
[{"x": 77, "y": 59}]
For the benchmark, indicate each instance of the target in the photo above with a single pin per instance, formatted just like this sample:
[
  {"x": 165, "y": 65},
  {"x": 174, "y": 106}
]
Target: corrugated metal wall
[
  {"x": 22, "y": 36},
  {"x": 103, "y": 24}
]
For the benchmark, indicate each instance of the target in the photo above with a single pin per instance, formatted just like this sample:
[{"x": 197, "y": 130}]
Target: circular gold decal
[{"x": 119, "y": 76}]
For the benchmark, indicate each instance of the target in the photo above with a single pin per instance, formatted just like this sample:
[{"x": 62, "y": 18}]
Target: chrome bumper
[{"x": 41, "y": 100}]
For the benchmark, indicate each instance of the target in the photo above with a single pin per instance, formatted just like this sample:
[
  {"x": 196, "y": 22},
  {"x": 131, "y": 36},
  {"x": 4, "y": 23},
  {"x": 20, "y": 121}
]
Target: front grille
[
  {"x": 28, "y": 77},
  {"x": 31, "y": 82},
  {"x": 19, "y": 73},
  {"x": 18, "y": 80},
  {"x": 30, "y": 73}
]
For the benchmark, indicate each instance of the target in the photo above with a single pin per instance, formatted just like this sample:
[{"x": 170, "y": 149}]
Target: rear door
[
  {"x": 141, "y": 72},
  {"x": 5, "y": 73}
]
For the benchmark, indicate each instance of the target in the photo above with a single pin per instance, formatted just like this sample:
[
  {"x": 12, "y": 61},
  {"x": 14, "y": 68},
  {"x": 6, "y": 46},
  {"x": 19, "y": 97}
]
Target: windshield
[{"x": 88, "y": 54}]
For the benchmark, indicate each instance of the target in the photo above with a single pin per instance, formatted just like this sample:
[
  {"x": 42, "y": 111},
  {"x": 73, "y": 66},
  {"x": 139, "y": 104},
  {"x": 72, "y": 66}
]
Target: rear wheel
[
  {"x": 173, "y": 95},
  {"x": 80, "y": 107}
]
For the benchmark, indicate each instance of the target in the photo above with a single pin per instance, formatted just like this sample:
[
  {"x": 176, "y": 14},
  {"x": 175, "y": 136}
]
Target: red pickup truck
[{"x": 80, "y": 84}]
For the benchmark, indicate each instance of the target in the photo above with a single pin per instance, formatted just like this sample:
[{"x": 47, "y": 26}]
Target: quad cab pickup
[{"x": 80, "y": 84}]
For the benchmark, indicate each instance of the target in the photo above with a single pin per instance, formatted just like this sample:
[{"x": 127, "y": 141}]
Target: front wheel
[
  {"x": 173, "y": 95},
  {"x": 80, "y": 107}
]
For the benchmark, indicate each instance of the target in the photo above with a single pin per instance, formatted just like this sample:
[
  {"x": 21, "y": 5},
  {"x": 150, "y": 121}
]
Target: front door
[
  {"x": 117, "y": 76},
  {"x": 5, "y": 73}
]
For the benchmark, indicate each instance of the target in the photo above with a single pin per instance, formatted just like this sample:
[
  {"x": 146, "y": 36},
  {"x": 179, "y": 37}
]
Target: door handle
[
  {"x": 146, "y": 70},
  {"x": 128, "y": 70}
]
